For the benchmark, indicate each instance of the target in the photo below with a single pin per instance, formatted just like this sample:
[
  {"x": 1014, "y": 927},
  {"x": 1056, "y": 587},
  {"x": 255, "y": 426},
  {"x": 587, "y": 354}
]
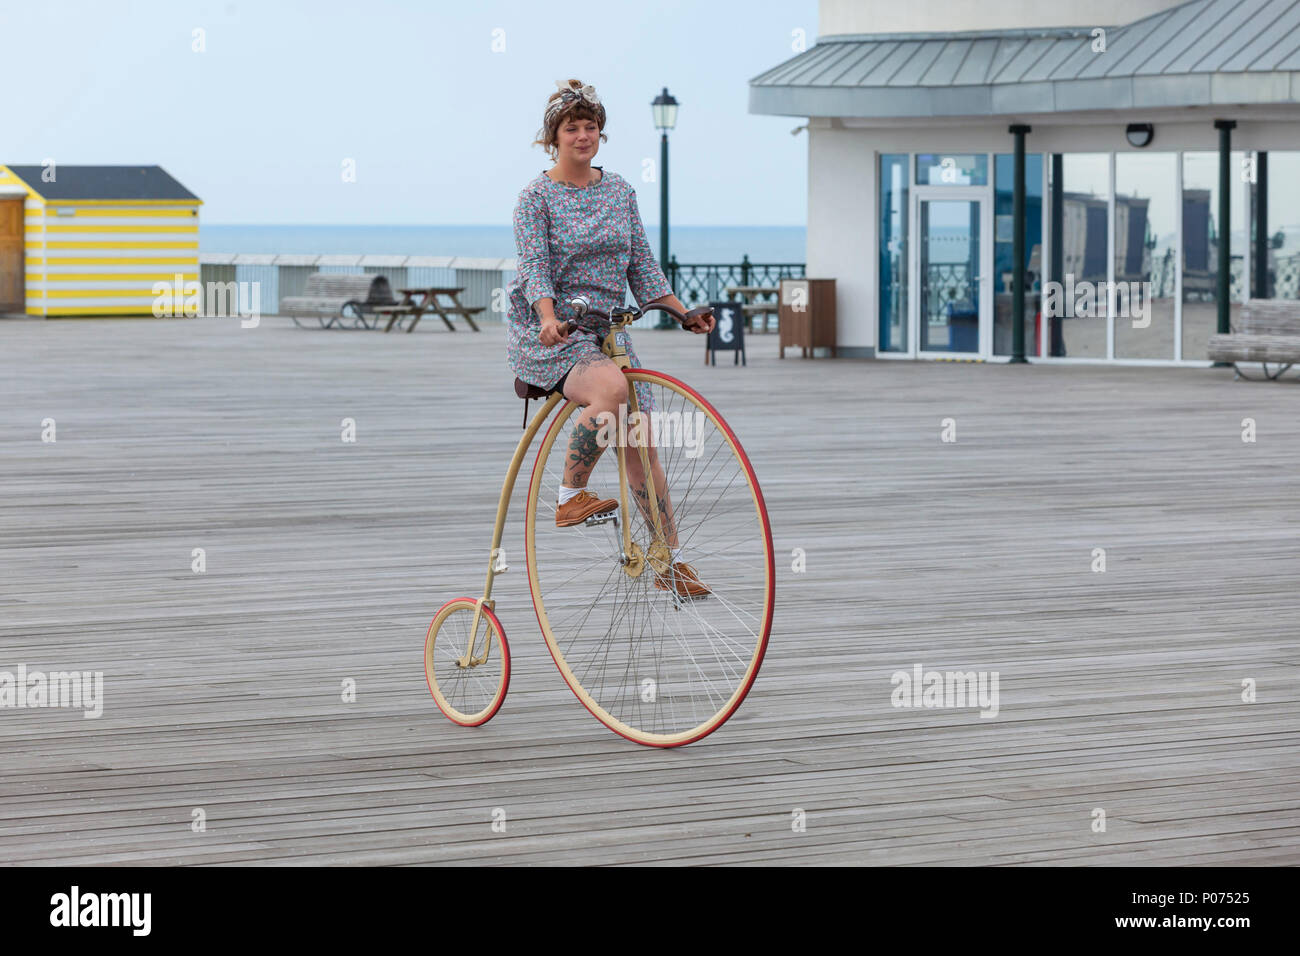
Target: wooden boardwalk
[{"x": 1119, "y": 691}]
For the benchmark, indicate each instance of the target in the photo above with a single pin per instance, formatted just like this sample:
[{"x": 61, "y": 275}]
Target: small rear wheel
[{"x": 467, "y": 678}]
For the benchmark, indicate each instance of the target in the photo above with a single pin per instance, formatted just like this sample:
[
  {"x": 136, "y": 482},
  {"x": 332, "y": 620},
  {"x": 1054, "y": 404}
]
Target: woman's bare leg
[
  {"x": 636, "y": 481},
  {"x": 596, "y": 383}
]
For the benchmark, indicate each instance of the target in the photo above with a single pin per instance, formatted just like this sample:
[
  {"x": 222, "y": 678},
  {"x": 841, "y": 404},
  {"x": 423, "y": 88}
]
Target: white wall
[
  {"x": 841, "y": 227},
  {"x": 926, "y": 16}
]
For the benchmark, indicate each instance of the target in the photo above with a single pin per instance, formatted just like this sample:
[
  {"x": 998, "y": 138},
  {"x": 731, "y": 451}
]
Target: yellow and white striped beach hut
[{"x": 93, "y": 240}]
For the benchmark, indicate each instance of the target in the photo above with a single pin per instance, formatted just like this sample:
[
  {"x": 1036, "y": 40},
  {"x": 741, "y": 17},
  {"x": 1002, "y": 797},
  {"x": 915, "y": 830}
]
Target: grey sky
[{"x": 438, "y": 123}]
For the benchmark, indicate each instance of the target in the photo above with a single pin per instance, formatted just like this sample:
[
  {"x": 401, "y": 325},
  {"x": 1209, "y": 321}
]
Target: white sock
[
  {"x": 567, "y": 493},
  {"x": 676, "y": 551}
]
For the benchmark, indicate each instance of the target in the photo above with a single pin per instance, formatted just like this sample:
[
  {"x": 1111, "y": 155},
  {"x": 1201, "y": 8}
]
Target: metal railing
[
  {"x": 486, "y": 281},
  {"x": 699, "y": 284},
  {"x": 281, "y": 276},
  {"x": 948, "y": 283}
]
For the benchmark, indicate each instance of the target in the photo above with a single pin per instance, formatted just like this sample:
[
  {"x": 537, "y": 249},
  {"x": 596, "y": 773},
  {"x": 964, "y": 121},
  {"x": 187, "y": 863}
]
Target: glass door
[{"x": 953, "y": 251}]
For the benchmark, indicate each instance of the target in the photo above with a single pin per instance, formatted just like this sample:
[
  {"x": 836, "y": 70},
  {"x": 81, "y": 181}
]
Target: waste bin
[
  {"x": 807, "y": 315},
  {"x": 963, "y": 328}
]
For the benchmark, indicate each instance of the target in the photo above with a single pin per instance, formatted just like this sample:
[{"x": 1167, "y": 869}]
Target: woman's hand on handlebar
[
  {"x": 554, "y": 331},
  {"x": 700, "y": 321}
]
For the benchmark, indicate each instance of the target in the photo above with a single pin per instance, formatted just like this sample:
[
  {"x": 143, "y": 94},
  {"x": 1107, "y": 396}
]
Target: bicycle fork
[
  {"x": 631, "y": 555},
  {"x": 496, "y": 558},
  {"x": 658, "y": 554}
]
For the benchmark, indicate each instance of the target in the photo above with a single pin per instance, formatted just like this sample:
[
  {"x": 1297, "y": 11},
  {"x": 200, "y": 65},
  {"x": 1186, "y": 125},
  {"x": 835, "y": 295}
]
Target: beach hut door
[{"x": 11, "y": 256}]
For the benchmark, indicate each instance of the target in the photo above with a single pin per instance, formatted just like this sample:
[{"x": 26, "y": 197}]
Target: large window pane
[
  {"x": 1202, "y": 234},
  {"x": 1003, "y": 225},
  {"x": 1076, "y": 320},
  {"x": 1283, "y": 225},
  {"x": 949, "y": 244},
  {"x": 1146, "y": 227},
  {"x": 893, "y": 253},
  {"x": 952, "y": 169}
]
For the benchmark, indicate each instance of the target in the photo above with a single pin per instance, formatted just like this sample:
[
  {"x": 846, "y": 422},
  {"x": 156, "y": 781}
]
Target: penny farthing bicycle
[{"x": 658, "y": 666}]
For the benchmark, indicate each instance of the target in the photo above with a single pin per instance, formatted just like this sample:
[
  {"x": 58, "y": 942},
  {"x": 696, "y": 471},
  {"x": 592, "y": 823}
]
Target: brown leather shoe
[
  {"x": 581, "y": 507},
  {"x": 687, "y": 582}
]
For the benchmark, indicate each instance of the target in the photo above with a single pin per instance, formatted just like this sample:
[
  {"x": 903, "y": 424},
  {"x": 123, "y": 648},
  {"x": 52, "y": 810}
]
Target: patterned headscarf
[{"x": 572, "y": 93}]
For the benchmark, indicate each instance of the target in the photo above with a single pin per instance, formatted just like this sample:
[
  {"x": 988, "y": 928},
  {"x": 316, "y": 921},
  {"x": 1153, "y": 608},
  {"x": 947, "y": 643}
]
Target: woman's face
[{"x": 577, "y": 140}]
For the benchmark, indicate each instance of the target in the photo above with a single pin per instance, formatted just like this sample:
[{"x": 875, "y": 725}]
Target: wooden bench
[
  {"x": 336, "y": 299},
  {"x": 1267, "y": 332}
]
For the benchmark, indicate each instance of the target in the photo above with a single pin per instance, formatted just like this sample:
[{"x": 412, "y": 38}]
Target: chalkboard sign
[{"x": 728, "y": 333}]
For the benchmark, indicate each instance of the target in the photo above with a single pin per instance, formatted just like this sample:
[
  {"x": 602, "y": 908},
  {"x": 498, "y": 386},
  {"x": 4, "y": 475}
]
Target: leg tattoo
[
  {"x": 665, "y": 511},
  {"x": 584, "y": 450}
]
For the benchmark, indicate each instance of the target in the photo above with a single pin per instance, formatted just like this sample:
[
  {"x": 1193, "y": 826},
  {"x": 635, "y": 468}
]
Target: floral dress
[{"x": 571, "y": 241}]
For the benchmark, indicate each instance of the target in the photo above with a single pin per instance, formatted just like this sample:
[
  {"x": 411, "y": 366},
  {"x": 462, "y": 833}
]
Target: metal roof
[
  {"x": 1200, "y": 53},
  {"x": 104, "y": 182}
]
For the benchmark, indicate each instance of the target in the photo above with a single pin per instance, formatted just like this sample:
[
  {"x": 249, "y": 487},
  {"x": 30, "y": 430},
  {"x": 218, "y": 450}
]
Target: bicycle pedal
[{"x": 605, "y": 518}]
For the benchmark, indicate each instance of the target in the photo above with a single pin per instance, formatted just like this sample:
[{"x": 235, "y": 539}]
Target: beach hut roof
[{"x": 73, "y": 183}]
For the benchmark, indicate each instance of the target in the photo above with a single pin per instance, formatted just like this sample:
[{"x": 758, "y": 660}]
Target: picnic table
[
  {"x": 336, "y": 299},
  {"x": 426, "y": 299},
  {"x": 752, "y": 309}
]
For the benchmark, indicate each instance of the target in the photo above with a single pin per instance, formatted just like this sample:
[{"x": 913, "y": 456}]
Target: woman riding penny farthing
[{"x": 655, "y": 600}]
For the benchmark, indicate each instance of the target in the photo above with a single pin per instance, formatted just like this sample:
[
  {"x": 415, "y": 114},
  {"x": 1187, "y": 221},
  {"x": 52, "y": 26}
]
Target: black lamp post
[{"x": 664, "y": 109}]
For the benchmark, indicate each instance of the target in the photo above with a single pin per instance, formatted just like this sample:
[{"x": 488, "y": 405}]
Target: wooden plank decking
[{"x": 1119, "y": 690}]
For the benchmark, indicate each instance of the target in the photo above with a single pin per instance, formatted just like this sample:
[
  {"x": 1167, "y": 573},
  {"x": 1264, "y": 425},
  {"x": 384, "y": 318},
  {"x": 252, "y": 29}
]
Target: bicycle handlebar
[{"x": 583, "y": 308}]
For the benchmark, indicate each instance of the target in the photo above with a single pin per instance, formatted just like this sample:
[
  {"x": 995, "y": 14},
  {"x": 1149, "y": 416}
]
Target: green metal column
[
  {"x": 1225, "y": 128},
  {"x": 669, "y": 271},
  {"x": 1260, "y": 289},
  {"x": 1056, "y": 338},
  {"x": 1018, "y": 247},
  {"x": 663, "y": 203}
]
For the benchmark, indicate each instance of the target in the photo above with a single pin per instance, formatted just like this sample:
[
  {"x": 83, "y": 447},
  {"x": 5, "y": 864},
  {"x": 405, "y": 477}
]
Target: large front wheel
[{"x": 660, "y": 648}]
